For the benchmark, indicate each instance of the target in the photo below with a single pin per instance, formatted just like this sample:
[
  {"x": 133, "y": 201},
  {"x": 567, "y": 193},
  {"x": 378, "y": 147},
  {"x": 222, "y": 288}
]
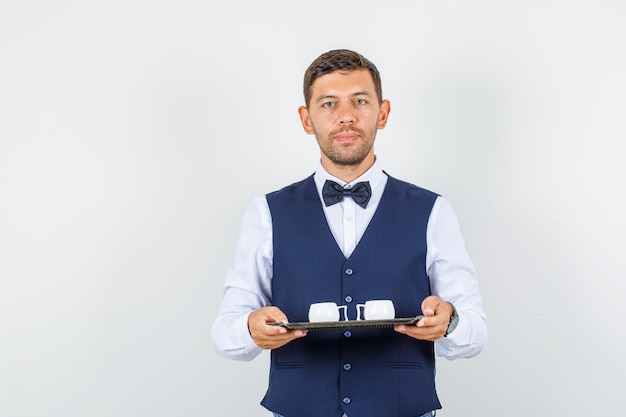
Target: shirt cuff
[
  {"x": 241, "y": 335},
  {"x": 455, "y": 345}
]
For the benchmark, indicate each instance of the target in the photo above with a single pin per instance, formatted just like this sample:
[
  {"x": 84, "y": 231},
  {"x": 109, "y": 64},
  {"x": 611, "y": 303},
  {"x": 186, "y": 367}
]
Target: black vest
[{"x": 362, "y": 372}]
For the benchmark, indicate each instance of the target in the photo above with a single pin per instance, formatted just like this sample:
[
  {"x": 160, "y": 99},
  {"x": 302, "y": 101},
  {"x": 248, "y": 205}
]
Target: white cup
[
  {"x": 319, "y": 312},
  {"x": 376, "y": 310}
]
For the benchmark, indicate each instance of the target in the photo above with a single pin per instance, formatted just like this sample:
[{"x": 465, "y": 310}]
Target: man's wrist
[{"x": 454, "y": 320}]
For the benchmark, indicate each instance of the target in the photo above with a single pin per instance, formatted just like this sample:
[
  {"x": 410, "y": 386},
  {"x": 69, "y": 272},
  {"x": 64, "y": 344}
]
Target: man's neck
[{"x": 348, "y": 173}]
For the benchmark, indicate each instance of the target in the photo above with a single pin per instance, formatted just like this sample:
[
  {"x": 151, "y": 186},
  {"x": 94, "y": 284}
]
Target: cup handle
[
  {"x": 358, "y": 311},
  {"x": 345, "y": 312}
]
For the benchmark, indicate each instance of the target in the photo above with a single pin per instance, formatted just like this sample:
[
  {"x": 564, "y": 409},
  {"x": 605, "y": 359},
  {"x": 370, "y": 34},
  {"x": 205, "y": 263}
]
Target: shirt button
[
  {"x": 349, "y": 218},
  {"x": 346, "y": 400},
  {"x": 349, "y": 271},
  {"x": 348, "y": 299},
  {"x": 347, "y": 333},
  {"x": 347, "y": 366}
]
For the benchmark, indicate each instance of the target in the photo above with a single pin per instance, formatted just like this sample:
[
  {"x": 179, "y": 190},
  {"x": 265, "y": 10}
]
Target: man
[{"x": 387, "y": 240}]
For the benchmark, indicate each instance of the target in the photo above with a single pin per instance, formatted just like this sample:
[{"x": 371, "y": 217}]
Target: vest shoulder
[
  {"x": 412, "y": 188},
  {"x": 289, "y": 189}
]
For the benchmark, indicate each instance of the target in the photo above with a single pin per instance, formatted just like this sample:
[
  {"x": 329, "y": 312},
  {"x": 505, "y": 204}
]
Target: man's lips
[{"x": 346, "y": 136}]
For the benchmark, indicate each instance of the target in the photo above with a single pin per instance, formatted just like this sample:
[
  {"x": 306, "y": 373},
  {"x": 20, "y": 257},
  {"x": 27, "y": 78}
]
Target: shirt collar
[{"x": 374, "y": 175}]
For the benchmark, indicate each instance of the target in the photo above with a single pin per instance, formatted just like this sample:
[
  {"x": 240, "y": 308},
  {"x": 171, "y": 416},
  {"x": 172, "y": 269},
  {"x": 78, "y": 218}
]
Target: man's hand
[
  {"x": 435, "y": 323},
  {"x": 270, "y": 337}
]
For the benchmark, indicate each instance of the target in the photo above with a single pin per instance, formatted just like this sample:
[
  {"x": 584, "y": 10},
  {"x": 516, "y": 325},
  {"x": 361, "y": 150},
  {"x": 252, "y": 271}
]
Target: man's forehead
[{"x": 355, "y": 81}]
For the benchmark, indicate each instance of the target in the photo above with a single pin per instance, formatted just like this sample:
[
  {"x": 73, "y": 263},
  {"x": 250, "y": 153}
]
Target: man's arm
[
  {"x": 453, "y": 283},
  {"x": 247, "y": 286},
  {"x": 240, "y": 330}
]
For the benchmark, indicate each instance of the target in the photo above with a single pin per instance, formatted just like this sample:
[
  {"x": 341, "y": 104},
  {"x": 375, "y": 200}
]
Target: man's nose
[{"x": 346, "y": 115}]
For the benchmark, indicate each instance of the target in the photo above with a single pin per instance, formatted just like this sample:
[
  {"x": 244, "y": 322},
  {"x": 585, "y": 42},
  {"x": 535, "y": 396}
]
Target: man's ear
[
  {"x": 383, "y": 115},
  {"x": 305, "y": 119}
]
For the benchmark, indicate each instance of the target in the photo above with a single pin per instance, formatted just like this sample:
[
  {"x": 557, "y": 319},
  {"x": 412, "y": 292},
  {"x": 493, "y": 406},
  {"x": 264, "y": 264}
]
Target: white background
[{"x": 134, "y": 133}]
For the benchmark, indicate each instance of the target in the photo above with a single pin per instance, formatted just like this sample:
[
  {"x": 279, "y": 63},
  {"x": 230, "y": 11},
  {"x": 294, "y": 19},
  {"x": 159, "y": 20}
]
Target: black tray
[{"x": 349, "y": 324}]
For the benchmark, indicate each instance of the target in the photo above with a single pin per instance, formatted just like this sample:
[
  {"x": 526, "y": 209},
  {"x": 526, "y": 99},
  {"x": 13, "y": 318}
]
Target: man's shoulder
[
  {"x": 291, "y": 188},
  {"x": 411, "y": 188}
]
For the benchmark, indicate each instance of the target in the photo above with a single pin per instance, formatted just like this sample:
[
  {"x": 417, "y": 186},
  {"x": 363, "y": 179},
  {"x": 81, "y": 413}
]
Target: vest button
[
  {"x": 348, "y": 299},
  {"x": 346, "y": 400},
  {"x": 347, "y": 366},
  {"x": 347, "y": 333},
  {"x": 349, "y": 271}
]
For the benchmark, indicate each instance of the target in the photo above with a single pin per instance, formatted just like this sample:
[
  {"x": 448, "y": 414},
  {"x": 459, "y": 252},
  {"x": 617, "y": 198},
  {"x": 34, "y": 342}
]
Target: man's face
[{"x": 344, "y": 115}]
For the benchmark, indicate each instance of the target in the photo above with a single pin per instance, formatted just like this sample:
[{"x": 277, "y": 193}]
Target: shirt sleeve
[
  {"x": 453, "y": 279},
  {"x": 247, "y": 286}
]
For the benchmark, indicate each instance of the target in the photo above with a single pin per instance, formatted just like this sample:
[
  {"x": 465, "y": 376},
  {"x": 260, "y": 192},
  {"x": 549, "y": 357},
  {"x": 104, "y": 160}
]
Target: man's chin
[{"x": 347, "y": 160}]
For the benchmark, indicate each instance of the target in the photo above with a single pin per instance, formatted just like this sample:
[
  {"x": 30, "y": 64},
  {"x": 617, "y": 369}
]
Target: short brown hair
[{"x": 339, "y": 60}]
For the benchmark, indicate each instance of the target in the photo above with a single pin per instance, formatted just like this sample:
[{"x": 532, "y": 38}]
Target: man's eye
[
  {"x": 360, "y": 101},
  {"x": 329, "y": 104}
]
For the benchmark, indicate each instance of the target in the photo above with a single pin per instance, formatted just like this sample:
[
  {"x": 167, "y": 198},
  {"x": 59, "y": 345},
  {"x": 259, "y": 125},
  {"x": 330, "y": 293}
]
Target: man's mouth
[{"x": 346, "y": 136}]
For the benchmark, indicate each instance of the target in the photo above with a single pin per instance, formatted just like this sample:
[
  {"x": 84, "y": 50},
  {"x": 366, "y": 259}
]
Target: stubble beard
[{"x": 349, "y": 154}]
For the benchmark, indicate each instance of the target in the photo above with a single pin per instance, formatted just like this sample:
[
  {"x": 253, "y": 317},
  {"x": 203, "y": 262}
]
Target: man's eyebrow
[
  {"x": 331, "y": 96},
  {"x": 325, "y": 97}
]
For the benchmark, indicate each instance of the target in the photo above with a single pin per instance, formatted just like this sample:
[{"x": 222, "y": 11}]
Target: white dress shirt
[{"x": 248, "y": 284}]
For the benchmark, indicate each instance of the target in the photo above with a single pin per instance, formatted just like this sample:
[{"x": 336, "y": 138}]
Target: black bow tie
[{"x": 333, "y": 193}]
